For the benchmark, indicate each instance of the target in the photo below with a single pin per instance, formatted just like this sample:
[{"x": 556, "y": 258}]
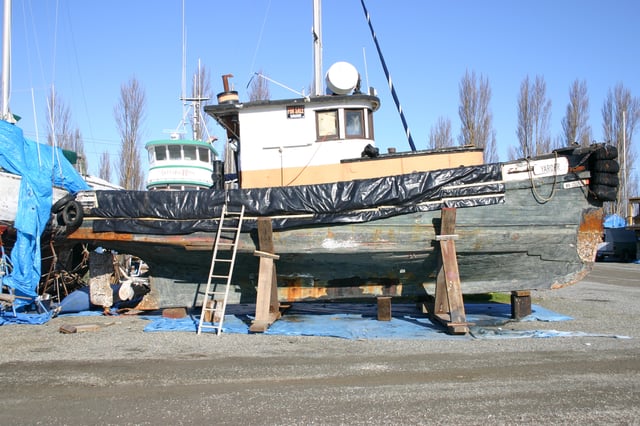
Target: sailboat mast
[
  {"x": 6, "y": 57},
  {"x": 317, "y": 48}
]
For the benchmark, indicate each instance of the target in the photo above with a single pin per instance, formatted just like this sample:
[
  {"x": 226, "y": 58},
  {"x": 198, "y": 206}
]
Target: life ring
[
  {"x": 606, "y": 152},
  {"x": 608, "y": 179},
  {"x": 59, "y": 205},
  {"x": 606, "y": 166},
  {"x": 72, "y": 214}
]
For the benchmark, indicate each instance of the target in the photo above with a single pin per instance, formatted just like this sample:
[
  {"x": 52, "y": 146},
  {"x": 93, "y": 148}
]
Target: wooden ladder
[{"x": 216, "y": 293}]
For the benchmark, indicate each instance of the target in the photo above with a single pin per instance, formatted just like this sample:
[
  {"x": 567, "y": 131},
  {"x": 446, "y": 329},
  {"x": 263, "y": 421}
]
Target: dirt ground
[{"x": 122, "y": 375}]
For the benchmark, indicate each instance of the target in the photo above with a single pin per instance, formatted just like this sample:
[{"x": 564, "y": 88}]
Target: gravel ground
[{"x": 121, "y": 375}]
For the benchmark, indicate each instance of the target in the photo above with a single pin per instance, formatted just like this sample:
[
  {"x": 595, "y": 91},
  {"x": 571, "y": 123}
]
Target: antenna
[
  {"x": 366, "y": 68},
  {"x": 317, "y": 48}
]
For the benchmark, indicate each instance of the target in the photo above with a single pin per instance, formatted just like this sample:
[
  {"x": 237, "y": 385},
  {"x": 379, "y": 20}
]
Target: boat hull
[{"x": 520, "y": 242}]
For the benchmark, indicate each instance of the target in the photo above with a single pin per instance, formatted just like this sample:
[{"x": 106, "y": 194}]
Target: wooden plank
[
  {"x": 449, "y": 304},
  {"x": 80, "y": 328},
  {"x": 265, "y": 254},
  {"x": 452, "y": 277},
  {"x": 264, "y": 292},
  {"x": 267, "y": 305}
]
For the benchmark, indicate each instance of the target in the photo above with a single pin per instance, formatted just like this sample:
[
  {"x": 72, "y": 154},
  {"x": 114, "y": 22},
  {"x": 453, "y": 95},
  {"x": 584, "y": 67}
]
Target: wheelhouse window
[
  {"x": 204, "y": 155},
  {"x": 189, "y": 152},
  {"x": 344, "y": 124},
  {"x": 161, "y": 153},
  {"x": 354, "y": 123},
  {"x": 174, "y": 152},
  {"x": 327, "y": 124}
]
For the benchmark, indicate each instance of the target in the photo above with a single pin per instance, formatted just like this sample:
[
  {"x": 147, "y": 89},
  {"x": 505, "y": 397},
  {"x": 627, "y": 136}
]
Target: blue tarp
[
  {"x": 360, "y": 322},
  {"x": 614, "y": 221},
  {"x": 41, "y": 167}
]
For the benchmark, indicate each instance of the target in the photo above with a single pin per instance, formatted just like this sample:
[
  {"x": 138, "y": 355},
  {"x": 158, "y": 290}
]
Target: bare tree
[
  {"x": 440, "y": 135},
  {"x": 259, "y": 90},
  {"x": 129, "y": 115},
  {"x": 59, "y": 131},
  {"x": 575, "y": 123},
  {"x": 105, "y": 167},
  {"x": 475, "y": 115},
  {"x": 77, "y": 145},
  {"x": 620, "y": 116},
  {"x": 491, "y": 149},
  {"x": 534, "y": 114}
]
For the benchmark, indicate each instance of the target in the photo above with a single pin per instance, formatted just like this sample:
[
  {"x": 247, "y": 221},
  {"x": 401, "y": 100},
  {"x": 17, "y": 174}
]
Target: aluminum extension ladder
[{"x": 222, "y": 262}]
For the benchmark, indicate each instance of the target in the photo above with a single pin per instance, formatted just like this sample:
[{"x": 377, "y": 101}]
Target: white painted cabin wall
[{"x": 264, "y": 130}]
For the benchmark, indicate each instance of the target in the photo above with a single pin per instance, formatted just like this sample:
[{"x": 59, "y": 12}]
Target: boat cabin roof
[{"x": 230, "y": 108}]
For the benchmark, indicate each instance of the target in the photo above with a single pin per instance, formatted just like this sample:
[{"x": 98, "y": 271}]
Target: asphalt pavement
[{"x": 119, "y": 374}]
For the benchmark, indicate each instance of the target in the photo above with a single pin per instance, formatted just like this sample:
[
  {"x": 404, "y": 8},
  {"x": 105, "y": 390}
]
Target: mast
[
  {"x": 317, "y": 48},
  {"x": 6, "y": 57}
]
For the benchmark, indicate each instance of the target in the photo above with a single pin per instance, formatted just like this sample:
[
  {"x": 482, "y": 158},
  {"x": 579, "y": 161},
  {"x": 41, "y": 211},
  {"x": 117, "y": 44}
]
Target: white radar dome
[{"x": 342, "y": 78}]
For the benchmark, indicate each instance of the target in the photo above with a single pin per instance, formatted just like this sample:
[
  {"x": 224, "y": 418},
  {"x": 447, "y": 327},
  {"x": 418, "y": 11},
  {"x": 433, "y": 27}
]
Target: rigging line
[
  {"x": 388, "y": 75},
  {"x": 80, "y": 79},
  {"x": 255, "y": 53},
  {"x": 55, "y": 43}
]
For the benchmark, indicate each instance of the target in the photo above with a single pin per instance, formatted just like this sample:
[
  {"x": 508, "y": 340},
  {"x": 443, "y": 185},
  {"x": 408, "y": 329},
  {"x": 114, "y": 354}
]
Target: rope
[
  {"x": 540, "y": 199},
  {"x": 386, "y": 73}
]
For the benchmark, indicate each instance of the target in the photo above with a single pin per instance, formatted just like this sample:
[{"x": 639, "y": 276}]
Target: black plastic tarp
[{"x": 182, "y": 212}]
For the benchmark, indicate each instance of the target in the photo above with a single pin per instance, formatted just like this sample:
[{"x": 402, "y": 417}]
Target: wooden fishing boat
[{"x": 350, "y": 222}]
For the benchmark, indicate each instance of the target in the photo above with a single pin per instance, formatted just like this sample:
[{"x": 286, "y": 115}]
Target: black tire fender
[
  {"x": 72, "y": 214},
  {"x": 59, "y": 205},
  {"x": 608, "y": 179},
  {"x": 606, "y": 166},
  {"x": 605, "y": 193},
  {"x": 606, "y": 152}
]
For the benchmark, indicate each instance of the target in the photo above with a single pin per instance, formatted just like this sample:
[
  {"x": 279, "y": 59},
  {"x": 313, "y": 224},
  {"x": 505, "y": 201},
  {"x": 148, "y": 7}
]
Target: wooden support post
[
  {"x": 384, "y": 308},
  {"x": 520, "y": 304},
  {"x": 449, "y": 306},
  {"x": 267, "y": 304}
]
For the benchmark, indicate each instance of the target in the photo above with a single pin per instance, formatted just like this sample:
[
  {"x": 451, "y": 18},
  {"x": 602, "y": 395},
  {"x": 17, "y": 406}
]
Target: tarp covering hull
[{"x": 184, "y": 212}]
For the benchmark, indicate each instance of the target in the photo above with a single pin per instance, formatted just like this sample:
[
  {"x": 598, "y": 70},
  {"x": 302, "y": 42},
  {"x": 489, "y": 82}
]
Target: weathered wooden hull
[{"x": 520, "y": 243}]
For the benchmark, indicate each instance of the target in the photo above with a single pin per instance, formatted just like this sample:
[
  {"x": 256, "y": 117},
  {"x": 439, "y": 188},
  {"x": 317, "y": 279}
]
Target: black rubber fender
[
  {"x": 59, "y": 205},
  {"x": 606, "y": 166},
  {"x": 72, "y": 214},
  {"x": 606, "y": 152},
  {"x": 608, "y": 179},
  {"x": 605, "y": 193}
]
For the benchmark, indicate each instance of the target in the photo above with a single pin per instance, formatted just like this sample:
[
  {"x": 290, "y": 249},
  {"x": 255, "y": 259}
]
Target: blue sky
[{"x": 88, "y": 49}]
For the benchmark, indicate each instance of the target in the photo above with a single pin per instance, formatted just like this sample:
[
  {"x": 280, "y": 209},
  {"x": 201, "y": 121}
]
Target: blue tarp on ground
[
  {"x": 361, "y": 322},
  {"x": 353, "y": 321},
  {"x": 41, "y": 167}
]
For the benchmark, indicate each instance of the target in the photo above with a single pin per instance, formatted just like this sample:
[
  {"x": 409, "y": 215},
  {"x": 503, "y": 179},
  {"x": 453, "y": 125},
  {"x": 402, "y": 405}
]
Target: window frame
[
  {"x": 360, "y": 113},
  {"x": 336, "y": 114}
]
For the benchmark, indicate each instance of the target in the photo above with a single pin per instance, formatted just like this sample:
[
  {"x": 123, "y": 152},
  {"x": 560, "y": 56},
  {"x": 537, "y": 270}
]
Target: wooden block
[
  {"x": 258, "y": 327},
  {"x": 174, "y": 313},
  {"x": 520, "y": 304},
  {"x": 209, "y": 315},
  {"x": 384, "y": 308},
  {"x": 78, "y": 328}
]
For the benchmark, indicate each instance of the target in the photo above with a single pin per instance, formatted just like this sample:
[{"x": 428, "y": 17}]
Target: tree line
[{"x": 620, "y": 116}]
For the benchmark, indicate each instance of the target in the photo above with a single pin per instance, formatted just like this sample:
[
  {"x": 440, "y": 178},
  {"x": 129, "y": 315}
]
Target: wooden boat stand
[
  {"x": 267, "y": 304},
  {"x": 448, "y": 307}
]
